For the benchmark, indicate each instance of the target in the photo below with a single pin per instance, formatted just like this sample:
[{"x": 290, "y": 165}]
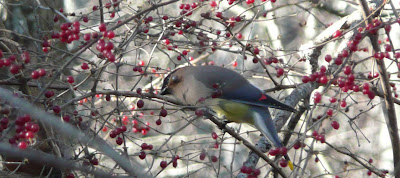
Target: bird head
[{"x": 172, "y": 79}]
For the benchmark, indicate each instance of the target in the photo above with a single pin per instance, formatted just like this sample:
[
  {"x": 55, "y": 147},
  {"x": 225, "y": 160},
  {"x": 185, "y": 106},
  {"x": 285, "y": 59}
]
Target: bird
[{"x": 228, "y": 94}]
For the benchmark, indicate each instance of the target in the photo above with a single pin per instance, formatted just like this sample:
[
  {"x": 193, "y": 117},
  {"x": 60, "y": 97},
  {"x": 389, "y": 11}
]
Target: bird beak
[{"x": 165, "y": 91}]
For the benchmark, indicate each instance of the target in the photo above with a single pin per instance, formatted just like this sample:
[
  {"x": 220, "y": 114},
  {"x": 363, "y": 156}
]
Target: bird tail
[{"x": 264, "y": 123}]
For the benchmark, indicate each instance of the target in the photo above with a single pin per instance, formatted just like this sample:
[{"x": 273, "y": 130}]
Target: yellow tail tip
[{"x": 290, "y": 164}]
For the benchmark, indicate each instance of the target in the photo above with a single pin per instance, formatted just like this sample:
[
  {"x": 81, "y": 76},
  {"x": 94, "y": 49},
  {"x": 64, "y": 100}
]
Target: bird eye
[{"x": 174, "y": 79}]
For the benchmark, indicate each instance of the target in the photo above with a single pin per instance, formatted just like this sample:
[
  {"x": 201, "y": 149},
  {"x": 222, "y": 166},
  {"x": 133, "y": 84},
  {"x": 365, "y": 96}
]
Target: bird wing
[{"x": 251, "y": 95}]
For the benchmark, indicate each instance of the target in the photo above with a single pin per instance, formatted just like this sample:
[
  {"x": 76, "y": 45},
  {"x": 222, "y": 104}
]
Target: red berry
[
  {"x": 213, "y": 4},
  {"x": 329, "y": 112},
  {"x": 85, "y": 66},
  {"x": 239, "y": 36},
  {"x": 323, "y": 79},
  {"x": 163, "y": 164},
  {"x": 163, "y": 112},
  {"x": 347, "y": 70},
  {"x": 283, "y": 162},
  {"x": 343, "y": 103},
  {"x": 34, "y": 128},
  {"x": 279, "y": 71},
  {"x": 256, "y": 51},
  {"x": 165, "y": 17},
  {"x": 283, "y": 151},
  {"x": 235, "y": 64},
  {"x": 305, "y": 79},
  {"x": 388, "y": 47},
  {"x": 297, "y": 145},
  {"x": 274, "y": 151},
  {"x": 22, "y": 145},
  {"x": 139, "y": 91},
  {"x": 140, "y": 103},
  {"x": 317, "y": 97},
  {"x": 70, "y": 79},
  {"x": 142, "y": 155},
  {"x": 110, "y": 34},
  {"x": 328, "y": 58},
  {"x": 369, "y": 173},
  {"x": 337, "y": 33},
  {"x": 14, "y": 69},
  {"x": 335, "y": 125},
  {"x": 202, "y": 156},
  {"x": 35, "y": 74},
  {"x": 56, "y": 109},
  {"x": 345, "y": 53},
  {"x": 321, "y": 138},
  {"x": 199, "y": 112},
  {"x": 87, "y": 36},
  {"x": 214, "y": 135},
  {"x": 119, "y": 141},
  {"x": 144, "y": 132},
  {"x": 42, "y": 72},
  {"x": 338, "y": 61},
  {"x": 102, "y": 27},
  {"x": 249, "y": 1},
  {"x": 66, "y": 118},
  {"x": 49, "y": 94},
  {"x": 214, "y": 159},
  {"x": 29, "y": 135}
]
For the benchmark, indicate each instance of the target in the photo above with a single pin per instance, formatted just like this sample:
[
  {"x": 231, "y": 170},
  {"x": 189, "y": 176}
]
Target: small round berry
[
  {"x": 213, "y": 4},
  {"x": 274, "y": 151},
  {"x": 329, "y": 112},
  {"x": 337, "y": 33},
  {"x": 22, "y": 145},
  {"x": 140, "y": 103},
  {"x": 163, "y": 164},
  {"x": 328, "y": 58},
  {"x": 119, "y": 141},
  {"x": 42, "y": 72},
  {"x": 214, "y": 159},
  {"x": 85, "y": 66},
  {"x": 70, "y": 79},
  {"x": 56, "y": 109},
  {"x": 142, "y": 155},
  {"x": 283, "y": 162},
  {"x": 199, "y": 112},
  {"x": 202, "y": 155},
  {"x": 317, "y": 97},
  {"x": 323, "y": 79},
  {"x": 347, "y": 70},
  {"x": 14, "y": 69},
  {"x": 370, "y": 160},
  {"x": 283, "y": 151},
  {"x": 335, "y": 125},
  {"x": 110, "y": 34},
  {"x": 214, "y": 135},
  {"x": 343, "y": 103},
  {"x": 102, "y": 27},
  {"x": 163, "y": 112},
  {"x": 35, "y": 74}
]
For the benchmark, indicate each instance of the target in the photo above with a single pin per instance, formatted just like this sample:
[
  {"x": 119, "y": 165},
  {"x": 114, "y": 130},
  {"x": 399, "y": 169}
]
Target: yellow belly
[{"x": 233, "y": 111}]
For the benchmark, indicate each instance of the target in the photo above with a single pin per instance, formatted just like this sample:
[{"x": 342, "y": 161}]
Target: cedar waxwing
[{"x": 228, "y": 94}]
